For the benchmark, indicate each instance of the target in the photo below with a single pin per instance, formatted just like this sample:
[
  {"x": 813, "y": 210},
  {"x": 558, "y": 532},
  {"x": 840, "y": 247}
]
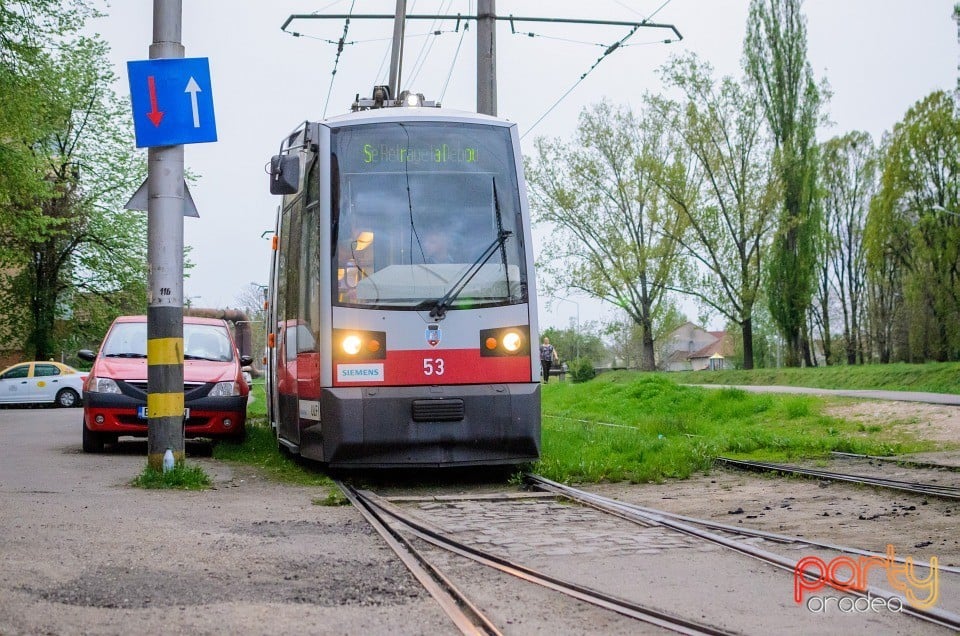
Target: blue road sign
[{"x": 172, "y": 101}]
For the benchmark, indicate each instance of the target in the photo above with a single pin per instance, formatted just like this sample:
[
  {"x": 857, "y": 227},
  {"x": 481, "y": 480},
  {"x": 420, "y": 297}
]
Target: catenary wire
[
  {"x": 427, "y": 47},
  {"x": 336, "y": 60},
  {"x": 609, "y": 50},
  {"x": 453, "y": 63}
]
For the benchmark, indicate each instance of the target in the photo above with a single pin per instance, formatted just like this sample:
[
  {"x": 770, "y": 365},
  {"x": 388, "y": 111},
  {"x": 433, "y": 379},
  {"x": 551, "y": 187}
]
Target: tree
[
  {"x": 28, "y": 110},
  {"x": 918, "y": 215},
  {"x": 848, "y": 178},
  {"x": 886, "y": 246},
  {"x": 566, "y": 341},
  {"x": 720, "y": 181},
  {"x": 775, "y": 57},
  {"x": 71, "y": 249},
  {"x": 611, "y": 230}
]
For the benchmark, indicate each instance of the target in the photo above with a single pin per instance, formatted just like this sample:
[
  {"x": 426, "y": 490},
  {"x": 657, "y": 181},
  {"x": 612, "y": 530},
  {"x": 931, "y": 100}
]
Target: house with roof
[{"x": 692, "y": 348}]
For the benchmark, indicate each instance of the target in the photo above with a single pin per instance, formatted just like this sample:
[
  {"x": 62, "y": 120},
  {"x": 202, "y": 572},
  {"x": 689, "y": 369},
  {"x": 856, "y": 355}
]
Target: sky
[{"x": 879, "y": 57}]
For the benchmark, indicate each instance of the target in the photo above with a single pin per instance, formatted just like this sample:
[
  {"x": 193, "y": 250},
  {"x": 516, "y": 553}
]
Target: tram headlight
[
  {"x": 352, "y": 345},
  {"x": 505, "y": 341},
  {"x": 512, "y": 341}
]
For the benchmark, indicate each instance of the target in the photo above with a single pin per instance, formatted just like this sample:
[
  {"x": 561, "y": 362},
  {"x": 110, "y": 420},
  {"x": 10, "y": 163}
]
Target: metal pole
[
  {"x": 165, "y": 201},
  {"x": 396, "y": 54},
  {"x": 487, "y": 57}
]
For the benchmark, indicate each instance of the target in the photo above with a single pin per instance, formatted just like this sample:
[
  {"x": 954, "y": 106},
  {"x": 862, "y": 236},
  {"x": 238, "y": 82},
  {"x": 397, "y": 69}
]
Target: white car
[{"x": 41, "y": 383}]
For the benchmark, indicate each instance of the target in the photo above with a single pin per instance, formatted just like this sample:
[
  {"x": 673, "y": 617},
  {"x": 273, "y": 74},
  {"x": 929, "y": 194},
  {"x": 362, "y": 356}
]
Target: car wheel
[
  {"x": 67, "y": 398},
  {"x": 92, "y": 442}
]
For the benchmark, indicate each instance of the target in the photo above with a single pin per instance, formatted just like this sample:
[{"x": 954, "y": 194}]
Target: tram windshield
[{"x": 415, "y": 208}]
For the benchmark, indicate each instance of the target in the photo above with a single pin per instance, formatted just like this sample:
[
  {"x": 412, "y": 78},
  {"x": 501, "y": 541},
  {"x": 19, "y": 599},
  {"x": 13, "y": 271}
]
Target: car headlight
[
  {"x": 103, "y": 385},
  {"x": 225, "y": 389}
]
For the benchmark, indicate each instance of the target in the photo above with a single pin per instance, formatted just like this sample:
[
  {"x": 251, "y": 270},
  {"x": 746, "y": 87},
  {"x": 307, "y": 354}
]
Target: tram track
[
  {"x": 918, "y": 488},
  {"x": 370, "y": 502},
  {"x": 403, "y": 523}
]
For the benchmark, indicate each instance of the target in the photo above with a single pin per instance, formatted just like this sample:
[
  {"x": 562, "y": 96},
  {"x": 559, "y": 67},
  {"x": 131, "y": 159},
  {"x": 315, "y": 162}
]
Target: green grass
[
  {"x": 646, "y": 427},
  {"x": 257, "y": 407},
  {"x": 933, "y": 377},
  {"x": 260, "y": 450},
  {"x": 180, "y": 477}
]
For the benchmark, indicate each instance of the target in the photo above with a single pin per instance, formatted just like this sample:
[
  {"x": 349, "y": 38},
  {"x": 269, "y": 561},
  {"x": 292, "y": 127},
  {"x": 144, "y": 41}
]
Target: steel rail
[
  {"x": 773, "y": 536},
  {"x": 900, "y": 461},
  {"x": 947, "y": 492},
  {"x": 600, "y": 599},
  {"x": 467, "y": 618},
  {"x": 931, "y": 615}
]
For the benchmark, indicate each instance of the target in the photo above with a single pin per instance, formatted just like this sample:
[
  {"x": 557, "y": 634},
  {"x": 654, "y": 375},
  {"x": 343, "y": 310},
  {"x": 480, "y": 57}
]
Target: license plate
[{"x": 142, "y": 413}]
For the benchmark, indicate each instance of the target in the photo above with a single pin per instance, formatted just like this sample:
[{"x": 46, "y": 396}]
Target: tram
[{"x": 402, "y": 301}]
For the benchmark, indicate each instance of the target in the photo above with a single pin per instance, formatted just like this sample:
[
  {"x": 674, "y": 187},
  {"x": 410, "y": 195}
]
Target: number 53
[{"x": 433, "y": 366}]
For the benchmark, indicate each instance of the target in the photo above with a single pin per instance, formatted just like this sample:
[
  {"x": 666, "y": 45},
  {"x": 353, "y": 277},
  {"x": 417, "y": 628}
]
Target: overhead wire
[
  {"x": 453, "y": 62},
  {"x": 613, "y": 47},
  {"x": 336, "y": 60},
  {"x": 420, "y": 62},
  {"x": 619, "y": 44}
]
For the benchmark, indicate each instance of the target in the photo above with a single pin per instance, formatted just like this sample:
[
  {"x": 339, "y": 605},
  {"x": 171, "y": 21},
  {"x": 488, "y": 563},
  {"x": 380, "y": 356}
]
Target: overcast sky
[{"x": 879, "y": 56}]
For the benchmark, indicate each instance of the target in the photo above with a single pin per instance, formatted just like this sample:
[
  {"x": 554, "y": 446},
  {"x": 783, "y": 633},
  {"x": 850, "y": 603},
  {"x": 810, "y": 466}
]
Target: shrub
[{"x": 581, "y": 370}]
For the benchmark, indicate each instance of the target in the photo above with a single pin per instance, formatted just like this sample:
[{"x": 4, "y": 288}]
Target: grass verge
[
  {"x": 932, "y": 377},
  {"x": 626, "y": 426},
  {"x": 260, "y": 450}
]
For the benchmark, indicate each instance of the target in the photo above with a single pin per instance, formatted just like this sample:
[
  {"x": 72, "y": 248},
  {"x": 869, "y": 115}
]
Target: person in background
[{"x": 548, "y": 355}]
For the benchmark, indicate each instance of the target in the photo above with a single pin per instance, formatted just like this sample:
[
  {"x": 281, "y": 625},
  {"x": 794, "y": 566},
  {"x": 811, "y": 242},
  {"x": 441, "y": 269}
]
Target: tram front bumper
[{"x": 430, "y": 426}]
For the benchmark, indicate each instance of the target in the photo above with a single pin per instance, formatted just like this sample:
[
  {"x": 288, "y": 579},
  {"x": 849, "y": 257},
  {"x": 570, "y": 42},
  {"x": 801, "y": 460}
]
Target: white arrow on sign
[{"x": 193, "y": 88}]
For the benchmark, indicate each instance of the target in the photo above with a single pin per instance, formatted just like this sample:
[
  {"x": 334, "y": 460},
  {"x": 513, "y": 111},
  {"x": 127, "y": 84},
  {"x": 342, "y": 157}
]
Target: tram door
[{"x": 287, "y": 302}]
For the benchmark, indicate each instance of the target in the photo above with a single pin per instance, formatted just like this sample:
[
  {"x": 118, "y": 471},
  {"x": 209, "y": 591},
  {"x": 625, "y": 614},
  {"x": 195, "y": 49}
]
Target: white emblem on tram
[
  {"x": 360, "y": 372},
  {"x": 433, "y": 334}
]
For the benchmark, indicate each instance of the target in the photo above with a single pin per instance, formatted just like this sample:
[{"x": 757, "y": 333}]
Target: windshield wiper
[
  {"x": 440, "y": 305},
  {"x": 125, "y": 355}
]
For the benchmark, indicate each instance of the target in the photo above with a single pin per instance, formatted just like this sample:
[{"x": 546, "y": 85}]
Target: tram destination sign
[{"x": 172, "y": 101}]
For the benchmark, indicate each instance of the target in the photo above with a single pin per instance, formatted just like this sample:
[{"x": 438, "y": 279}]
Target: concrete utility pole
[
  {"x": 165, "y": 201},
  {"x": 487, "y": 57},
  {"x": 396, "y": 53}
]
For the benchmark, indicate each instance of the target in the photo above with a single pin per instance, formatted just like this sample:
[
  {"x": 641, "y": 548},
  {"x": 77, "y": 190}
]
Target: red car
[{"x": 115, "y": 392}]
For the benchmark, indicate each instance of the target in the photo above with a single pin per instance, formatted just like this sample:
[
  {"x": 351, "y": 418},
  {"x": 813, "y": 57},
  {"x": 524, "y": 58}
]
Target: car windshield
[{"x": 201, "y": 342}]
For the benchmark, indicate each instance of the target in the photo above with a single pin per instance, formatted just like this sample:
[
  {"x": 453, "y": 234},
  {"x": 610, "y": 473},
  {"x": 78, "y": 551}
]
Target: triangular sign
[{"x": 139, "y": 201}]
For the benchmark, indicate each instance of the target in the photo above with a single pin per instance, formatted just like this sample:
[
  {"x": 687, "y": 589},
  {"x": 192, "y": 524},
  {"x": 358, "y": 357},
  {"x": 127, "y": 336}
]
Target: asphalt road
[{"x": 84, "y": 553}]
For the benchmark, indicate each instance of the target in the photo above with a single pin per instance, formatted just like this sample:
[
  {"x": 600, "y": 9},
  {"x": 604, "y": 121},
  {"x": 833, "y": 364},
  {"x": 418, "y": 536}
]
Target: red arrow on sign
[{"x": 154, "y": 114}]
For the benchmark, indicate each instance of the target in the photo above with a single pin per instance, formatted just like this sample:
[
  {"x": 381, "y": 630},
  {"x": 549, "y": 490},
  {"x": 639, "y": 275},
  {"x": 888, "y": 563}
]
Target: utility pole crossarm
[{"x": 506, "y": 18}]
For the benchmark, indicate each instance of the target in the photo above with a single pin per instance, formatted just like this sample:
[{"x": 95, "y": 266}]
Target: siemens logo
[
  {"x": 355, "y": 372},
  {"x": 360, "y": 372}
]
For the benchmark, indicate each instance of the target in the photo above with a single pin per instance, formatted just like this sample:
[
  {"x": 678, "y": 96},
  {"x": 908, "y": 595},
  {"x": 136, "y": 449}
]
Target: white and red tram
[{"x": 402, "y": 303}]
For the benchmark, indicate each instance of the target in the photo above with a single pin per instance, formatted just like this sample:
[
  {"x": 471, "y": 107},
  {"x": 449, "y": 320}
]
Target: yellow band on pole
[
  {"x": 165, "y": 405},
  {"x": 165, "y": 351}
]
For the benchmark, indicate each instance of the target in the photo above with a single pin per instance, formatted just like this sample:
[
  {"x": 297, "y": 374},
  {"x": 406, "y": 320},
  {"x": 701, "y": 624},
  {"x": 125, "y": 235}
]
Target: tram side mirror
[{"x": 284, "y": 174}]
